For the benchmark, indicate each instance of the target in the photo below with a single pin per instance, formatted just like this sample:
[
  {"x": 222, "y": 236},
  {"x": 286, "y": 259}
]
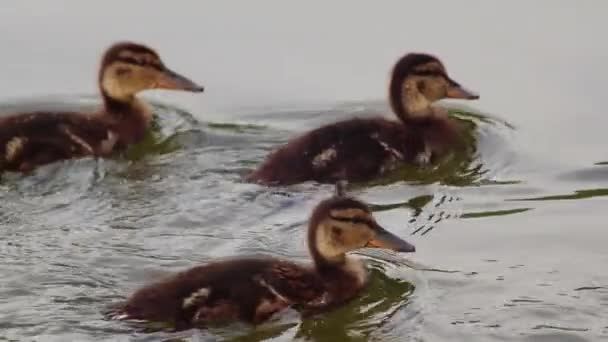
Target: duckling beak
[
  {"x": 456, "y": 91},
  {"x": 169, "y": 79},
  {"x": 388, "y": 240}
]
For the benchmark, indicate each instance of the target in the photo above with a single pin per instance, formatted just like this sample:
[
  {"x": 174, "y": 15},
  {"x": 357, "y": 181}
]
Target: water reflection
[
  {"x": 416, "y": 203},
  {"x": 360, "y": 318},
  {"x": 179, "y": 197},
  {"x": 578, "y": 194},
  {"x": 480, "y": 214},
  {"x": 463, "y": 166}
]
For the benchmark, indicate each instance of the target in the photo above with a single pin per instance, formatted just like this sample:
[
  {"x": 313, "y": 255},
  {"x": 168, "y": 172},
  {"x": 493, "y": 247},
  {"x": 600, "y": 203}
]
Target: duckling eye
[
  {"x": 156, "y": 65},
  {"x": 353, "y": 220},
  {"x": 336, "y": 231},
  {"x": 358, "y": 220},
  {"x": 421, "y": 86}
]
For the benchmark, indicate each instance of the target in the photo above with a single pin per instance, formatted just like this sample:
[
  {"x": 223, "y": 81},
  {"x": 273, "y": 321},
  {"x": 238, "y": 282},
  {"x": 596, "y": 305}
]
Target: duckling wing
[
  {"x": 354, "y": 150},
  {"x": 250, "y": 289},
  {"x": 292, "y": 282},
  {"x": 33, "y": 139}
]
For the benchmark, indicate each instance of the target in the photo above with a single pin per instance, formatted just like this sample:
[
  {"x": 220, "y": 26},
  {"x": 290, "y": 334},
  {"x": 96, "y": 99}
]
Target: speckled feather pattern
[
  {"x": 28, "y": 140},
  {"x": 355, "y": 150},
  {"x": 362, "y": 149},
  {"x": 253, "y": 289},
  {"x": 32, "y": 139},
  {"x": 248, "y": 289}
]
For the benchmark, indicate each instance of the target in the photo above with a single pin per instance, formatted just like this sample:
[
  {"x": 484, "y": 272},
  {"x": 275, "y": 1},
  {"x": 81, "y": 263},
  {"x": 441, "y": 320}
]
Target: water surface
[{"x": 511, "y": 243}]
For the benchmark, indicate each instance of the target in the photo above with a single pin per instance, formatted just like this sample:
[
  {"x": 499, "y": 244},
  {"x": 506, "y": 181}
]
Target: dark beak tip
[
  {"x": 408, "y": 249},
  {"x": 198, "y": 89}
]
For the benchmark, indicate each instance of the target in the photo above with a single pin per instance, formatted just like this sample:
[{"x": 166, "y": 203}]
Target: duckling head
[
  {"x": 128, "y": 68},
  {"x": 342, "y": 224},
  {"x": 418, "y": 80}
]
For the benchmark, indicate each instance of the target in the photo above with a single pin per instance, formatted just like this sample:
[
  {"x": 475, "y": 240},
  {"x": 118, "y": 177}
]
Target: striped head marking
[
  {"x": 420, "y": 79},
  {"x": 341, "y": 224},
  {"x": 128, "y": 68}
]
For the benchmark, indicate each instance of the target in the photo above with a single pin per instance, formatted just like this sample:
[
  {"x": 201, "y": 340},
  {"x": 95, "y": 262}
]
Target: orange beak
[
  {"x": 169, "y": 79},
  {"x": 456, "y": 91},
  {"x": 387, "y": 240}
]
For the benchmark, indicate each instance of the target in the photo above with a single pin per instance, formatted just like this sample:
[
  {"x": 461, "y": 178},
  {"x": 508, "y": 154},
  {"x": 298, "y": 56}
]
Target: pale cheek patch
[
  {"x": 111, "y": 85},
  {"x": 331, "y": 246},
  {"x": 124, "y": 87},
  {"x": 13, "y": 148},
  {"x": 413, "y": 100},
  {"x": 197, "y": 296},
  {"x": 325, "y": 244}
]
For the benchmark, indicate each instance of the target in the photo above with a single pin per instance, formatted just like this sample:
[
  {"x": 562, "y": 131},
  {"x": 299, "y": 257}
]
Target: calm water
[{"x": 511, "y": 239}]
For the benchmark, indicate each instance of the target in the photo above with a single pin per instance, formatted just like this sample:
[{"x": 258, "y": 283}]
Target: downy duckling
[
  {"x": 252, "y": 289},
  {"x": 361, "y": 149},
  {"x": 28, "y": 140}
]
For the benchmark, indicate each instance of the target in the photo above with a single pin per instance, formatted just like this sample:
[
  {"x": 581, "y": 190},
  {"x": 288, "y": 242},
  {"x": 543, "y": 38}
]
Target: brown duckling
[
  {"x": 361, "y": 149},
  {"x": 251, "y": 289},
  {"x": 28, "y": 140}
]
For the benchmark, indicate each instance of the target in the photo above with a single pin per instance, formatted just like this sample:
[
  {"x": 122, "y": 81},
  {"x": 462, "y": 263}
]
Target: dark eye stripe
[
  {"x": 131, "y": 60},
  {"x": 122, "y": 70},
  {"x": 429, "y": 73},
  {"x": 355, "y": 220}
]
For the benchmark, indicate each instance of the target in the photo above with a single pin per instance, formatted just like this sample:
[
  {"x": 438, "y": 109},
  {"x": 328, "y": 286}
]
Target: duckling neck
[
  {"x": 342, "y": 268},
  {"x": 129, "y": 118},
  {"x": 128, "y": 108}
]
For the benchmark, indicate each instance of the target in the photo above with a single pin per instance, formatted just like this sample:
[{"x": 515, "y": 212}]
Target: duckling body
[
  {"x": 247, "y": 289},
  {"x": 252, "y": 289},
  {"x": 28, "y": 140},
  {"x": 356, "y": 150},
  {"x": 362, "y": 149},
  {"x": 34, "y": 139}
]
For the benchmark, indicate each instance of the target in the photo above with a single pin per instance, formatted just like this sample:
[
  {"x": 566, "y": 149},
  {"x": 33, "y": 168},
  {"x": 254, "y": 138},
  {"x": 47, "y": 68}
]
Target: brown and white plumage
[
  {"x": 28, "y": 140},
  {"x": 361, "y": 149},
  {"x": 252, "y": 289}
]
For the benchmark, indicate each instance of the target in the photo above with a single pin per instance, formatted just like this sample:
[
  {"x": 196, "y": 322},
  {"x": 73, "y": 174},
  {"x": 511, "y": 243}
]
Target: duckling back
[
  {"x": 29, "y": 140},
  {"x": 353, "y": 150}
]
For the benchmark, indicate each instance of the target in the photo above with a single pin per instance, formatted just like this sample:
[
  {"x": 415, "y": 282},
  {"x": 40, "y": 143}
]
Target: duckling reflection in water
[
  {"x": 361, "y": 149},
  {"x": 252, "y": 289},
  {"x": 28, "y": 140}
]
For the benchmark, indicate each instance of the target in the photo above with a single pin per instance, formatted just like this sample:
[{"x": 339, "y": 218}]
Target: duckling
[
  {"x": 361, "y": 149},
  {"x": 252, "y": 289},
  {"x": 28, "y": 140}
]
